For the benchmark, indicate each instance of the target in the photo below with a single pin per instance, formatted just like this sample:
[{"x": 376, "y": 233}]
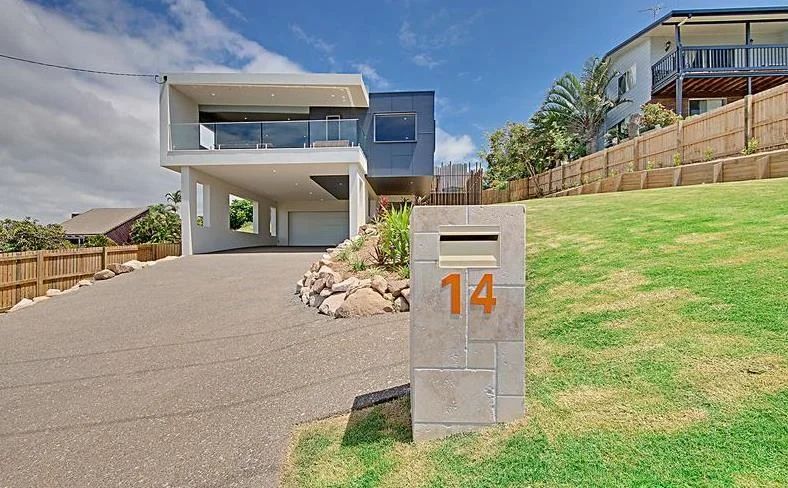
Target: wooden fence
[
  {"x": 30, "y": 274},
  {"x": 714, "y": 135},
  {"x": 772, "y": 164}
]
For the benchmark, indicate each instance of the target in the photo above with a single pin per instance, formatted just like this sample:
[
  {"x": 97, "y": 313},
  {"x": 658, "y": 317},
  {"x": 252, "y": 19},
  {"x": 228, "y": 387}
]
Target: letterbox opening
[{"x": 469, "y": 246}]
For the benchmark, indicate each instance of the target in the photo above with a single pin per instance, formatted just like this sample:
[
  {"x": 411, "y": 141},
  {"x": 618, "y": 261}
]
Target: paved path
[{"x": 191, "y": 373}]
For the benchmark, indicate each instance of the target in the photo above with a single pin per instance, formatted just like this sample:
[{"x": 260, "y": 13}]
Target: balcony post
[
  {"x": 747, "y": 32},
  {"x": 679, "y": 72}
]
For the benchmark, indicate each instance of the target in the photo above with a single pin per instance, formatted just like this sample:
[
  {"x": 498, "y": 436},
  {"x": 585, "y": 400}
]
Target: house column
[
  {"x": 679, "y": 72},
  {"x": 188, "y": 208},
  {"x": 357, "y": 199}
]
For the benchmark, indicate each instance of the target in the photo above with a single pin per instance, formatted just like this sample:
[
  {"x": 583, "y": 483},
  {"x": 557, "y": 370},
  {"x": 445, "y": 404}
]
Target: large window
[
  {"x": 626, "y": 80},
  {"x": 400, "y": 127},
  {"x": 702, "y": 105}
]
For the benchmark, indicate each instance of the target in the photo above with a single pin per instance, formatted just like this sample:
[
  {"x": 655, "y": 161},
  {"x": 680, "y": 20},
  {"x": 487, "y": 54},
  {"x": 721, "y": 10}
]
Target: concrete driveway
[{"x": 190, "y": 373}]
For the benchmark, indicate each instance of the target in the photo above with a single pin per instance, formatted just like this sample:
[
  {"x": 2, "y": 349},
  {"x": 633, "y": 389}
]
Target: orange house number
[{"x": 485, "y": 286}]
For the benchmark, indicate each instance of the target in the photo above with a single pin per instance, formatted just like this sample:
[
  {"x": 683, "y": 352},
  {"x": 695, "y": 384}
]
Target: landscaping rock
[
  {"x": 104, "y": 274},
  {"x": 134, "y": 264},
  {"x": 40, "y": 299},
  {"x": 345, "y": 285},
  {"x": 326, "y": 292},
  {"x": 150, "y": 263},
  {"x": 359, "y": 286},
  {"x": 406, "y": 294},
  {"x": 388, "y": 296},
  {"x": 316, "y": 300},
  {"x": 118, "y": 268},
  {"x": 167, "y": 258},
  {"x": 53, "y": 292},
  {"x": 315, "y": 266},
  {"x": 331, "y": 304},
  {"x": 379, "y": 284},
  {"x": 365, "y": 301},
  {"x": 23, "y": 303},
  {"x": 70, "y": 290},
  {"x": 299, "y": 285},
  {"x": 396, "y": 286},
  {"x": 318, "y": 285},
  {"x": 329, "y": 276},
  {"x": 82, "y": 283},
  {"x": 401, "y": 305},
  {"x": 305, "y": 298}
]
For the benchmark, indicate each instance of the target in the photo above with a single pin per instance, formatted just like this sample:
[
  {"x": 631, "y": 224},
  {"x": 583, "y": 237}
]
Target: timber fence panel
[
  {"x": 621, "y": 158},
  {"x": 769, "y": 118},
  {"x": 715, "y": 134},
  {"x": 656, "y": 148}
]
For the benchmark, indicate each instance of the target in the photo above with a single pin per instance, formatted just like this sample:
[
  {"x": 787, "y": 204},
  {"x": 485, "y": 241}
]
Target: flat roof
[{"x": 713, "y": 15}]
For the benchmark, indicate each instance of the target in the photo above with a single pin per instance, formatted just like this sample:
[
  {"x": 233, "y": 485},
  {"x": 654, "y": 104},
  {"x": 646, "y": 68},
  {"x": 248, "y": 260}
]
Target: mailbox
[{"x": 467, "y": 302}]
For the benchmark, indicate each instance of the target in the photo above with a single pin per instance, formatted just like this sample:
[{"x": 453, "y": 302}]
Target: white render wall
[
  {"x": 217, "y": 235},
  {"x": 637, "y": 54}
]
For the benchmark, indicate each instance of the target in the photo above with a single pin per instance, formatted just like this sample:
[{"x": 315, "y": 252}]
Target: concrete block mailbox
[{"x": 467, "y": 303}]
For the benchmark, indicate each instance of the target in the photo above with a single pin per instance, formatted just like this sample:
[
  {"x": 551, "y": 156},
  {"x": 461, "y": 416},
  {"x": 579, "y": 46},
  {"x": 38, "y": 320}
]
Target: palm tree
[
  {"x": 173, "y": 200},
  {"x": 582, "y": 103}
]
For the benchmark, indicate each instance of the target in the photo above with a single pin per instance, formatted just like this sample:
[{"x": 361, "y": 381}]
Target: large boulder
[
  {"x": 23, "y": 303},
  {"x": 363, "y": 302},
  {"x": 405, "y": 294},
  {"x": 316, "y": 300},
  {"x": 331, "y": 304},
  {"x": 104, "y": 274},
  {"x": 326, "y": 292},
  {"x": 118, "y": 268},
  {"x": 365, "y": 283},
  {"x": 379, "y": 284},
  {"x": 396, "y": 286},
  {"x": 134, "y": 264},
  {"x": 401, "y": 305},
  {"x": 329, "y": 276}
]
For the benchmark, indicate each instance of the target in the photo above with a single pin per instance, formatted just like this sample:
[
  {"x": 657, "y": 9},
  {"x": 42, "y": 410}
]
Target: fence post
[
  {"x": 103, "y": 258},
  {"x": 636, "y": 154},
  {"x": 606, "y": 164},
  {"x": 677, "y": 176},
  {"x": 748, "y": 126},
  {"x": 717, "y": 173},
  {"x": 680, "y": 139},
  {"x": 40, "y": 273},
  {"x": 563, "y": 176},
  {"x": 762, "y": 167},
  {"x": 643, "y": 180}
]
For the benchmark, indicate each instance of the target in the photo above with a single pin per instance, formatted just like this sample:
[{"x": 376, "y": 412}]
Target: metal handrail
[{"x": 264, "y": 122}]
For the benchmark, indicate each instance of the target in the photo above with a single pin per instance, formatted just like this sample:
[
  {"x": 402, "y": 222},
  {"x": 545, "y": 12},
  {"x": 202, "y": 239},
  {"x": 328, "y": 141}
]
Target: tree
[
  {"x": 657, "y": 115},
  {"x": 173, "y": 200},
  {"x": 241, "y": 212},
  {"x": 581, "y": 104},
  {"x": 160, "y": 224},
  {"x": 29, "y": 235},
  {"x": 507, "y": 154}
]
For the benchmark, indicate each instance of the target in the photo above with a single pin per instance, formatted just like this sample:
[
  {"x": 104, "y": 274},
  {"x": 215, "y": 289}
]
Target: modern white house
[
  {"x": 693, "y": 61},
  {"x": 313, "y": 152}
]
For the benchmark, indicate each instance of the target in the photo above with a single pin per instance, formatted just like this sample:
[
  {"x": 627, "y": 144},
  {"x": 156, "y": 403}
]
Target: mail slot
[
  {"x": 469, "y": 246},
  {"x": 467, "y": 313}
]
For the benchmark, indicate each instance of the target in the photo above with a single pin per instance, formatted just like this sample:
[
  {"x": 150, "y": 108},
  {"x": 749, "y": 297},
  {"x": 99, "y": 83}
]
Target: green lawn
[{"x": 656, "y": 355}]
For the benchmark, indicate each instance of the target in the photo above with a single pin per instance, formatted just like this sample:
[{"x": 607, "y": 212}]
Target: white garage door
[{"x": 317, "y": 228}]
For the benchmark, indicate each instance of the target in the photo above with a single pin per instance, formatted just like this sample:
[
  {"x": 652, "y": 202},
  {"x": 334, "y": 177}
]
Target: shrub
[
  {"x": 29, "y": 235},
  {"x": 358, "y": 264},
  {"x": 160, "y": 224},
  {"x": 708, "y": 154},
  {"x": 656, "y": 115},
  {"x": 630, "y": 167},
  {"x": 98, "y": 240},
  {"x": 403, "y": 272},
  {"x": 650, "y": 165},
  {"x": 394, "y": 231},
  {"x": 751, "y": 147},
  {"x": 357, "y": 243},
  {"x": 676, "y": 159},
  {"x": 344, "y": 254}
]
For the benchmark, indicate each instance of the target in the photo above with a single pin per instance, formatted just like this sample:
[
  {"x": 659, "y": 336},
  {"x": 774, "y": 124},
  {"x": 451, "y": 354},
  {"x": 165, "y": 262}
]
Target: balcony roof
[
  {"x": 706, "y": 20},
  {"x": 273, "y": 89}
]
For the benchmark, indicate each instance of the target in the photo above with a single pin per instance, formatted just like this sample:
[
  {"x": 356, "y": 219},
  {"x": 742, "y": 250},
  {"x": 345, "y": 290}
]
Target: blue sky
[{"x": 488, "y": 62}]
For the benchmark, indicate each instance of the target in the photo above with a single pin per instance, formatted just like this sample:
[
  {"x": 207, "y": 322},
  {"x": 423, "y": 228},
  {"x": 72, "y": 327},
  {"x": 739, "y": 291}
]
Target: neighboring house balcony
[{"x": 720, "y": 61}]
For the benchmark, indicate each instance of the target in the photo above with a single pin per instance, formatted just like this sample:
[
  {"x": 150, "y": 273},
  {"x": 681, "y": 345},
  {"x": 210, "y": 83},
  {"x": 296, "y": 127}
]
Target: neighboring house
[
  {"x": 314, "y": 152},
  {"x": 693, "y": 61},
  {"x": 115, "y": 223}
]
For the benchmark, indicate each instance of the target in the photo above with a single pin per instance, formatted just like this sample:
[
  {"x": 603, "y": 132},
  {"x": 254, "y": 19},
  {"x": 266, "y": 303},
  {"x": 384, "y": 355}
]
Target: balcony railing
[
  {"x": 714, "y": 59},
  {"x": 264, "y": 135}
]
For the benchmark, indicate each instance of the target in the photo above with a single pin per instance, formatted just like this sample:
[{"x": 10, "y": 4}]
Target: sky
[{"x": 70, "y": 142}]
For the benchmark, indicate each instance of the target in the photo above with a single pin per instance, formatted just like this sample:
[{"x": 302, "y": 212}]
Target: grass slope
[{"x": 656, "y": 354}]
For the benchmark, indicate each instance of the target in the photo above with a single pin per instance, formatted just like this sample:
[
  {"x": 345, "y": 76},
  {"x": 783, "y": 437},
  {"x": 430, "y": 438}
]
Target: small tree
[
  {"x": 160, "y": 224},
  {"x": 98, "y": 240},
  {"x": 241, "y": 212},
  {"x": 657, "y": 115},
  {"x": 29, "y": 235}
]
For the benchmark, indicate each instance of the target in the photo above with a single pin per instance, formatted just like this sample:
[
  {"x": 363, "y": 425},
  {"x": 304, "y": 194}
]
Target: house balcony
[
  {"x": 264, "y": 136},
  {"x": 720, "y": 61}
]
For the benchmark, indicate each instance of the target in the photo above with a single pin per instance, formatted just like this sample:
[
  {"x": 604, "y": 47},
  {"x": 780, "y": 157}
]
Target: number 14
[{"x": 488, "y": 301}]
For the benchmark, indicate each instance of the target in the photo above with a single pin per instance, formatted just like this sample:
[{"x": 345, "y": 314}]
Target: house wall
[
  {"x": 122, "y": 233},
  {"x": 182, "y": 109},
  {"x": 393, "y": 158},
  {"x": 217, "y": 235},
  {"x": 285, "y": 207},
  {"x": 637, "y": 54}
]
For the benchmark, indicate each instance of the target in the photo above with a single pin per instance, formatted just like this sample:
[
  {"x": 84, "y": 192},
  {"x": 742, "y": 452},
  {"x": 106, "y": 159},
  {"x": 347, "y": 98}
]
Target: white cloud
[
  {"x": 72, "y": 141},
  {"x": 375, "y": 80},
  {"x": 424, "y": 59},
  {"x": 316, "y": 42},
  {"x": 449, "y": 148}
]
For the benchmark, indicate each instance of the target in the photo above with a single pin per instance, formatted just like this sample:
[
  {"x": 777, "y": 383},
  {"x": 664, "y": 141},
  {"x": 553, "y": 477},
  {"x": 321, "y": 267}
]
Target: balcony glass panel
[
  {"x": 285, "y": 134},
  {"x": 240, "y": 135}
]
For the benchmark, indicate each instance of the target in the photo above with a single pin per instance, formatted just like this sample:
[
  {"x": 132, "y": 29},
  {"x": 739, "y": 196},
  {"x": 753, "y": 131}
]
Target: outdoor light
[{"x": 667, "y": 46}]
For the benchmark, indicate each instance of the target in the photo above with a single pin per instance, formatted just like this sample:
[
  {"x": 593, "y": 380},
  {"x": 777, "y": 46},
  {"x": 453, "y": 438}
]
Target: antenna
[{"x": 655, "y": 10}]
